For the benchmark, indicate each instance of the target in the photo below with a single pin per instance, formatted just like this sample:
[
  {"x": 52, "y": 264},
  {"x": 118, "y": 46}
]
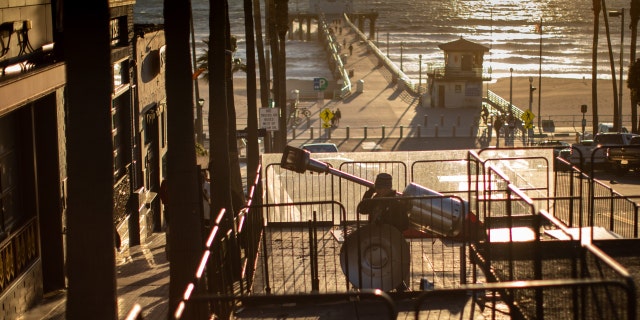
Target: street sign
[
  {"x": 527, "y": 116},
  {"x": 326, "y": 114},
  {"x": 320, "y": 84},
  {"x": 269, "y": 118}
]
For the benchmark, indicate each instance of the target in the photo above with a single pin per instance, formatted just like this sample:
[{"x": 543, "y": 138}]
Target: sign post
[
  {"x": 269, "y": 118},
  {"x": 319, "y": 85},
  {"x": 527, "y": 117}
]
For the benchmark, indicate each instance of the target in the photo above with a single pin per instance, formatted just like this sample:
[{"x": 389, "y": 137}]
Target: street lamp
[
  {"x": 508, "y": 135},
  {"x": 419, "y": 73},
  {"x": 401, "y": 49},
  {"x": 620, "y": 13},
  {"x": 200, "y": 122},
  {"x": 530, "y": 124},
  {"x": 510, "y": 90}
]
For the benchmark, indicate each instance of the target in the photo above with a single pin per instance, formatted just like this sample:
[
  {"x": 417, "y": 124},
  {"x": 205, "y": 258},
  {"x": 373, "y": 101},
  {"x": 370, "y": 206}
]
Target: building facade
[{"x": 33, "y": 153}]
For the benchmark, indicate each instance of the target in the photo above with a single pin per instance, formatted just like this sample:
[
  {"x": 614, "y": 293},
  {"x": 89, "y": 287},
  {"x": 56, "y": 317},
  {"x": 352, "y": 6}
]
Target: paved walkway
[{"x": 142, "y": 277}]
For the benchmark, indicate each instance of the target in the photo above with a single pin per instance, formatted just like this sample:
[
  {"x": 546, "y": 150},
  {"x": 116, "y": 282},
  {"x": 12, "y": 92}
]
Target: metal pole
[
  {"x": 621, "y": 74},
  {"x": 510, "y": 90},
  {"x": 530, "y": 129},
  {"x": 401, "y": 48},
  {"x": 540, "y": 81},
  {"x": 387, "y": 44},
  {"x": 419, "y": 73}
]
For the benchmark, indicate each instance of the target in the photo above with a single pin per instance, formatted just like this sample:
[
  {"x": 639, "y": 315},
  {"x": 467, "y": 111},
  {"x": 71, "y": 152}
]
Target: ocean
[{"x": 506, "y": 27}]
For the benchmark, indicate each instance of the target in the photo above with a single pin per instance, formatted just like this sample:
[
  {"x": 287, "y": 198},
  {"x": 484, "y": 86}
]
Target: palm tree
[
  {"x": 203, "y": 60},
  {"x": 633, "y": 83},
  {"x": 92, "y": 285},
  {"x": 185, "y": 238}
]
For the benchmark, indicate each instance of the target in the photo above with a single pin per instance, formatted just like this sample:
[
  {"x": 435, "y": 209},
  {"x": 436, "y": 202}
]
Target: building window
[
  {"x": 118, "y": 31},
  {"x": 120, "y": 74},
  {"x": 458, "y": 88},
  {"x": 163, "y": 127},
  {"x": 120, "y": 135},
  {"x": 10, "y": 184}
]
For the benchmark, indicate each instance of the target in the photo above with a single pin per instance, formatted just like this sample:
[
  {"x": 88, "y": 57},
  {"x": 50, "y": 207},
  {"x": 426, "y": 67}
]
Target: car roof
[{"x": 320, "y": 147}]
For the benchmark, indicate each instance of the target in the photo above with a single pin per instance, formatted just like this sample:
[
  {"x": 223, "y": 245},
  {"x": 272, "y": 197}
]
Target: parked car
[
  {"x": 582, "y": 153},
  {"x": 608, "y": 127},
  {"x": 324, "y": 147},
  {"x": 624, "y": 158}
]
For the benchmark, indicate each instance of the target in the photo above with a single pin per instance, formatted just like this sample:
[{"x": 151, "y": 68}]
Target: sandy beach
[
  {"x": 563, "y": 97},
  {"x": 559, "y": 97}
]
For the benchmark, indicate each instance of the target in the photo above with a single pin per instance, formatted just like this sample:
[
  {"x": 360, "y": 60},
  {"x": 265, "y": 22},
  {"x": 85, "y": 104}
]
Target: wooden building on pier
[{"x": 458, "y": 84}]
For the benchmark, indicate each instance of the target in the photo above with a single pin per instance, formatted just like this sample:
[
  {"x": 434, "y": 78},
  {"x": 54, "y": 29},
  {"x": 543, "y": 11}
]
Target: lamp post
[
  {"x": 616, "y": 13},
  {"x": 508, "y": 134},
  {"x": 401, "y": 49},
  {"x": 510, "y": 90},
  {"x": 200, "y": 122},
  {"x": 419, "y": 73},
  {"x": 530, "y": 125},
  {"x": 387, "y": 44}
]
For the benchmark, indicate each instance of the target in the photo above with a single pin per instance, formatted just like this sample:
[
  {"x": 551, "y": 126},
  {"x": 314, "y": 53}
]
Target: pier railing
[{"x": 335, "y": 60}]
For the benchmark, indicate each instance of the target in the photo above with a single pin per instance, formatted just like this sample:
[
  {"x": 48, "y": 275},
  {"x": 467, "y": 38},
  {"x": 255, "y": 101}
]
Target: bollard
[
  {"x": 347, "y": 132},
  {"x": 401, "y": 129},
  {"x": 436, "y": 134},
  {"x": 418, "y": 131},
  {"x": 442, "y": 119},
  {"x": 426, "y": 118},
  {"x": 383, "y": 134},
  {"x": 328, "y": 133},
  {"x": 454, "y": 131},
  {"x": 311, "y": 133},
  {"x": 365, "y": 132},
  {"x": 458, "y": 121}
]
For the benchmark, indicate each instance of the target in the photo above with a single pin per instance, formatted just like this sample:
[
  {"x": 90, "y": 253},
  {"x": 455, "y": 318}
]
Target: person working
[{"x": 379, "y": 203}]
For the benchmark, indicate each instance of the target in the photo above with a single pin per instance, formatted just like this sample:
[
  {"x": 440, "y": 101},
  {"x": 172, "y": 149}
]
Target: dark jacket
[{"x": 387, "y": 210}]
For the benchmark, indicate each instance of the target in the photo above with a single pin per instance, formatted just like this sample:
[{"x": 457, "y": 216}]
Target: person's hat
[{"x": 383, "y": 180}]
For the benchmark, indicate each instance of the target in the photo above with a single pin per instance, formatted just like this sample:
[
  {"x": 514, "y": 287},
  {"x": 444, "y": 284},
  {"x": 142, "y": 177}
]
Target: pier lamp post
[
  {"x": 401, "y": 49},
  {"x": 620, "y": 13},
  {"x": 510, "y": 90},
  {"x": 387, "y": 44},
  {"x": 531, "y": 90},
  {"x": 419, "y": 73}
]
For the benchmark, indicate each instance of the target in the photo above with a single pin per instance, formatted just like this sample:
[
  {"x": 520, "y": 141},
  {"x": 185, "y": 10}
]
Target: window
[
  {"x": 120, "y": 135},
  {"x": 120, "y": 74},
  {"x": 10, "y": 188},
  {"x": 118, "y": 31}
]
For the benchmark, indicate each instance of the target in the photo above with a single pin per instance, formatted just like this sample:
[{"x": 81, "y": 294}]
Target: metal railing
[{"x": 551, "y": 273}]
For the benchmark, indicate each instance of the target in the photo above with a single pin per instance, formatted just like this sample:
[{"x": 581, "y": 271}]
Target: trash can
[
  {"x": 344, "y": 57},
  {"x": 360, "y": 86}
]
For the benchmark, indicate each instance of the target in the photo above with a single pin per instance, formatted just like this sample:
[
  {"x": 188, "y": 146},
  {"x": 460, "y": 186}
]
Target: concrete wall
[
  {"x": 38, "y": 12},
  {"x": 22, "y": 293}
]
